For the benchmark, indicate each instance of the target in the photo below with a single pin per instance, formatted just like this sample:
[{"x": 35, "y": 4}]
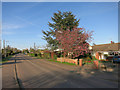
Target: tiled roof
[{"x": 107, "y": 47}]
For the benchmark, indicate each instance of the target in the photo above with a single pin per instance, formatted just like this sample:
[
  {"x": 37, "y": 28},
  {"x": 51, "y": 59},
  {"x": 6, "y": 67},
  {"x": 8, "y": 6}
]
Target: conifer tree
[{"x": 61, "y": 20}]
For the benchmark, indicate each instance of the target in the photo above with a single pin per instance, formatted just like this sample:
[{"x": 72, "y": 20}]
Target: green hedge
[{"x": 43, "y": 56}]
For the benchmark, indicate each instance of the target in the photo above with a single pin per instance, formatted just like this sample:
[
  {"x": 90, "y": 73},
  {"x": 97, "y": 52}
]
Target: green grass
[
  {"x": 105, "y": 61},
  {"x": 88, "y": 63},
  {"x": 39, "y": 57},
  {"x": 62, "y": 62}
]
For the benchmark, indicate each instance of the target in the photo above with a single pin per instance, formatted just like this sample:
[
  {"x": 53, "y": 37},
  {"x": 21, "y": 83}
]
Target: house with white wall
[{"x": 103, "y": 50}]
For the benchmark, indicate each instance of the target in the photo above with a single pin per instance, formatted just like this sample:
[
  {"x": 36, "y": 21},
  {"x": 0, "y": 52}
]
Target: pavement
[{"x": 40, "y": 73}]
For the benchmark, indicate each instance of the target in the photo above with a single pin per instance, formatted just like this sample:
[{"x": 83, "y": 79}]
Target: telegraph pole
[
  {"x": 4, "y": 48},
  {"x": 34, "y": 48}
]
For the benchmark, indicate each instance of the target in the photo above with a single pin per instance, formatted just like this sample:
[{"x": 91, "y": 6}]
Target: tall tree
[
  {"x": 60, "y": 20},
  {"x": 75, "y": 42}
]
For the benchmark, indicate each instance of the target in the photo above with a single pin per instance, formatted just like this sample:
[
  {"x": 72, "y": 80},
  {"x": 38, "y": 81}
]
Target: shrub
[
  {"x": 47, "y": 55},
  {"x": 32, "y": 54},
  {"x": 55, "y": 57}
]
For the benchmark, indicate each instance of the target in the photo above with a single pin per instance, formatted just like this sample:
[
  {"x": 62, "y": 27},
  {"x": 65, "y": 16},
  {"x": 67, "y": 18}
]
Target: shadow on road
[
  {"x": 13, "y": 62},
  {"x": 58, "y": 80},
  {"x": 23, "y": 58}
]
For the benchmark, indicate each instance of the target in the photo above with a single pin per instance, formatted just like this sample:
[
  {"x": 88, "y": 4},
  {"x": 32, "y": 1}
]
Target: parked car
[{"x": 116, "y": 59}]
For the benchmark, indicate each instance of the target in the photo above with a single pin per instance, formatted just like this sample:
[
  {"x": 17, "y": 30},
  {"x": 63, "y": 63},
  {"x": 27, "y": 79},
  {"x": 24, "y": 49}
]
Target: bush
[
  {"x": 47, "y": 55},
  {"x": 32, "y": 54},
  {"x": 55, "y": 57}
]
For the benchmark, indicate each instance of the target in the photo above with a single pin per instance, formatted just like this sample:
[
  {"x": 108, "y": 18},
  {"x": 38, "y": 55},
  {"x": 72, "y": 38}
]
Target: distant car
[{"x": 116, "y": 59}]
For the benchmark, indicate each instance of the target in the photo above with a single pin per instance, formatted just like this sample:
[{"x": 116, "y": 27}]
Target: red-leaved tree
[{"x": 75, "y": 42}]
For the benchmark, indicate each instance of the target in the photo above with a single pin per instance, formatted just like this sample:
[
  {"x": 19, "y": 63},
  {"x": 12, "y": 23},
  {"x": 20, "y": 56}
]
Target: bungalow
[{"x": 102, "y": 51}]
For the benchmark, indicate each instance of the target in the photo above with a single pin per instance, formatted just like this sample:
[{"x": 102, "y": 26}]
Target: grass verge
[
  {"x": 61, "y": 62},
  {"x": 4, "y": 60}
]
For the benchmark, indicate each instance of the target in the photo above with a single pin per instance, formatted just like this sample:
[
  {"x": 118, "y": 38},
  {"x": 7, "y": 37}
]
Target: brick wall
[{"x": 68, "y": 60}]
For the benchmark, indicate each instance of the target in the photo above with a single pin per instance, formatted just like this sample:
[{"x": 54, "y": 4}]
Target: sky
[{"x": 23, "y": 22}]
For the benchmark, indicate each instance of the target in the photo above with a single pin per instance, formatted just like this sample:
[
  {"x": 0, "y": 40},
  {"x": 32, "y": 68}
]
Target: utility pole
[
  {"x": 4, "y": 48},
  {"x": 34, "y": 48}
]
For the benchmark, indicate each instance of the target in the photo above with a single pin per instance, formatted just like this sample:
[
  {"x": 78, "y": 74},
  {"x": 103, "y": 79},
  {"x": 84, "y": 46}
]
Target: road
[{"x": 40, "y": 73}]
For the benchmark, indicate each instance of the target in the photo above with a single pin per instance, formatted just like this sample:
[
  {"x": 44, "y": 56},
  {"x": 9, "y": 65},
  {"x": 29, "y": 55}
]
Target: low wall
[{"x": 68, "y": 60}]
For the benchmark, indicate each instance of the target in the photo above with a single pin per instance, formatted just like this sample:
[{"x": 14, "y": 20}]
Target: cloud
[
  {"x": 27, "y": 22},
  {"x": 7, "y": 33},
  {"x": 10, "y": 26},
  {"x": 9, "y": 29}
]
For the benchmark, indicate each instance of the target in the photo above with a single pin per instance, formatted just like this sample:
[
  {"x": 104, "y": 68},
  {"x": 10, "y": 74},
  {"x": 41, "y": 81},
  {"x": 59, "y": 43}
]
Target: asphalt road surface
[{"x": 29, "y": 72}]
